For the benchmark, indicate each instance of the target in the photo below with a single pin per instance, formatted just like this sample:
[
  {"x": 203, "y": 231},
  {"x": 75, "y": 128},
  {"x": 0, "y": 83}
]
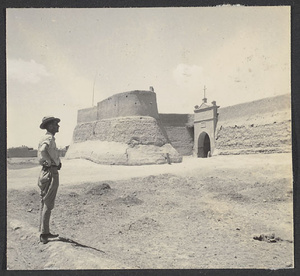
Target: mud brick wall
[
  {"x": 129, "y": 130},
  {"x": 244, "y": 139},
  {"x": 180, "y": 131},
  {"x": 87, "y": 115},
  {"x": 132, "y": 103},
  {"x": 123, "y": 129},
  {"x": 131, "y": 140},
  {"x": 262, "y": 126},
  {"x": 258, "y": 126}
]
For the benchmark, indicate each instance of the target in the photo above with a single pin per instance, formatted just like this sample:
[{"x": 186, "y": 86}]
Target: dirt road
[{"x": 220, "y": 212}]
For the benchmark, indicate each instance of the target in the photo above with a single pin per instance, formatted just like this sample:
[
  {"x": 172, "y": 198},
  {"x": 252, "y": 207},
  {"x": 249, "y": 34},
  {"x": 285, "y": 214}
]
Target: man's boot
[{"x": 44, "y": 238}]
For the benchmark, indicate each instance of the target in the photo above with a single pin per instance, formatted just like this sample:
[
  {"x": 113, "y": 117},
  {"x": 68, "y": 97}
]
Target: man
[{"x": 48, "y": 182}]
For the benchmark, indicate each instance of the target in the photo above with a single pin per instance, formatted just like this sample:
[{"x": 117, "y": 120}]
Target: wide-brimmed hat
[{"x": 48, "y": 119}]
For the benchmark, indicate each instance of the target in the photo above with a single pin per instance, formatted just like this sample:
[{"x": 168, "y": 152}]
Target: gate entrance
[
  {"x": 203, "y": 145},
  {"x": 205, "y": 123}
]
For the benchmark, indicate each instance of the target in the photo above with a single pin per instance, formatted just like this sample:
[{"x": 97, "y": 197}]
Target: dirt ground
[{"x": 219, "y": 212}]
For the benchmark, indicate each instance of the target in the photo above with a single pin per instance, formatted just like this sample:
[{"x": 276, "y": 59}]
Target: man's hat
[{"x": 48, "y": 119}]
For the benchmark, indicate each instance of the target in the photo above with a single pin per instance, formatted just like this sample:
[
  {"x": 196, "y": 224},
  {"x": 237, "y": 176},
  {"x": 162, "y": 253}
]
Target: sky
[{"x": 58, "y": 58}]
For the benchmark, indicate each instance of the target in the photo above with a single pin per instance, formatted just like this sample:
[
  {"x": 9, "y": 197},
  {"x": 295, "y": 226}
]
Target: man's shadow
[{"x": 74, "y": 243}]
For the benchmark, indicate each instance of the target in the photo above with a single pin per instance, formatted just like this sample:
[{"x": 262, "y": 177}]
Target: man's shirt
[{"x": 53, "y": 152}]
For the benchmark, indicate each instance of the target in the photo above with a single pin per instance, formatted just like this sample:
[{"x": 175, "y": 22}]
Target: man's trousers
[{"x": 48, "y": 201}]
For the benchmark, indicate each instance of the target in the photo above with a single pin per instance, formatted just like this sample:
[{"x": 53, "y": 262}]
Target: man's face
[{"x": 54, "y": 127}]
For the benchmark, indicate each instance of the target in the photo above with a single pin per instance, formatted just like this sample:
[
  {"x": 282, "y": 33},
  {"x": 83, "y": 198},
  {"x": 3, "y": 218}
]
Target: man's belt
[
  {"x": 52, "y": 166},
  {"x": 45, "y": 167}
]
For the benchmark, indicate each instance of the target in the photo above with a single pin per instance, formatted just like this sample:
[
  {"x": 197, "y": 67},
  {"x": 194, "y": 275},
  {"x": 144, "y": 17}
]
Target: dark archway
[{"x": 203, "y": 145}]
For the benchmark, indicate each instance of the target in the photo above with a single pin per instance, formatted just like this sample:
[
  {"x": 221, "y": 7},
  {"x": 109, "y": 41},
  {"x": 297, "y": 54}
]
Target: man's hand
[
  {"x": 59, "y": 166},
  {"x": 46, "y": 164}
]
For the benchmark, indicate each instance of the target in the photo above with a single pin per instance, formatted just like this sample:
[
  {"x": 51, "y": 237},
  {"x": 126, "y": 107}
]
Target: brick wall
[
  {"x": 260, "y": 126},
  {"x": 179, "y": 129}
]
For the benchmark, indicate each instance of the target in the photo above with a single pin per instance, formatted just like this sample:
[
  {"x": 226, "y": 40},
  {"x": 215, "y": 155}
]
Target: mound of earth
[
  {"x": 99, "y": 189},
  {"x": 143, "y": 224},
  {"x": 129, "y": 200}
]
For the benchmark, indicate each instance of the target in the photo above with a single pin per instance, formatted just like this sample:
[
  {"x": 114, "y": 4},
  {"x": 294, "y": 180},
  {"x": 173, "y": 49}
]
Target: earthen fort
[{"x": 127, "y": 129}]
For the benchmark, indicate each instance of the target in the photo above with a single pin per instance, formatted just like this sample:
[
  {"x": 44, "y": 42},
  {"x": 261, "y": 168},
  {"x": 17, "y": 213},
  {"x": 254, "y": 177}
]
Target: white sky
[{"x": 54, "y": 55}]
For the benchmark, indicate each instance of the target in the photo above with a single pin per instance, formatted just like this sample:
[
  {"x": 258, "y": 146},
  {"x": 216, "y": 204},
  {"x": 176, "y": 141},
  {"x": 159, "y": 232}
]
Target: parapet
[
  {"x": 87, "y": 115},
  {"x": 132, "y": 103}
]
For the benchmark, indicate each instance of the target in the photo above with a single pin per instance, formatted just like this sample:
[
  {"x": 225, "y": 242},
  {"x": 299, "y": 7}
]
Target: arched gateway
[
  {"x": 204, "y": 148},
  {"x": 205, "y": 122}
]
